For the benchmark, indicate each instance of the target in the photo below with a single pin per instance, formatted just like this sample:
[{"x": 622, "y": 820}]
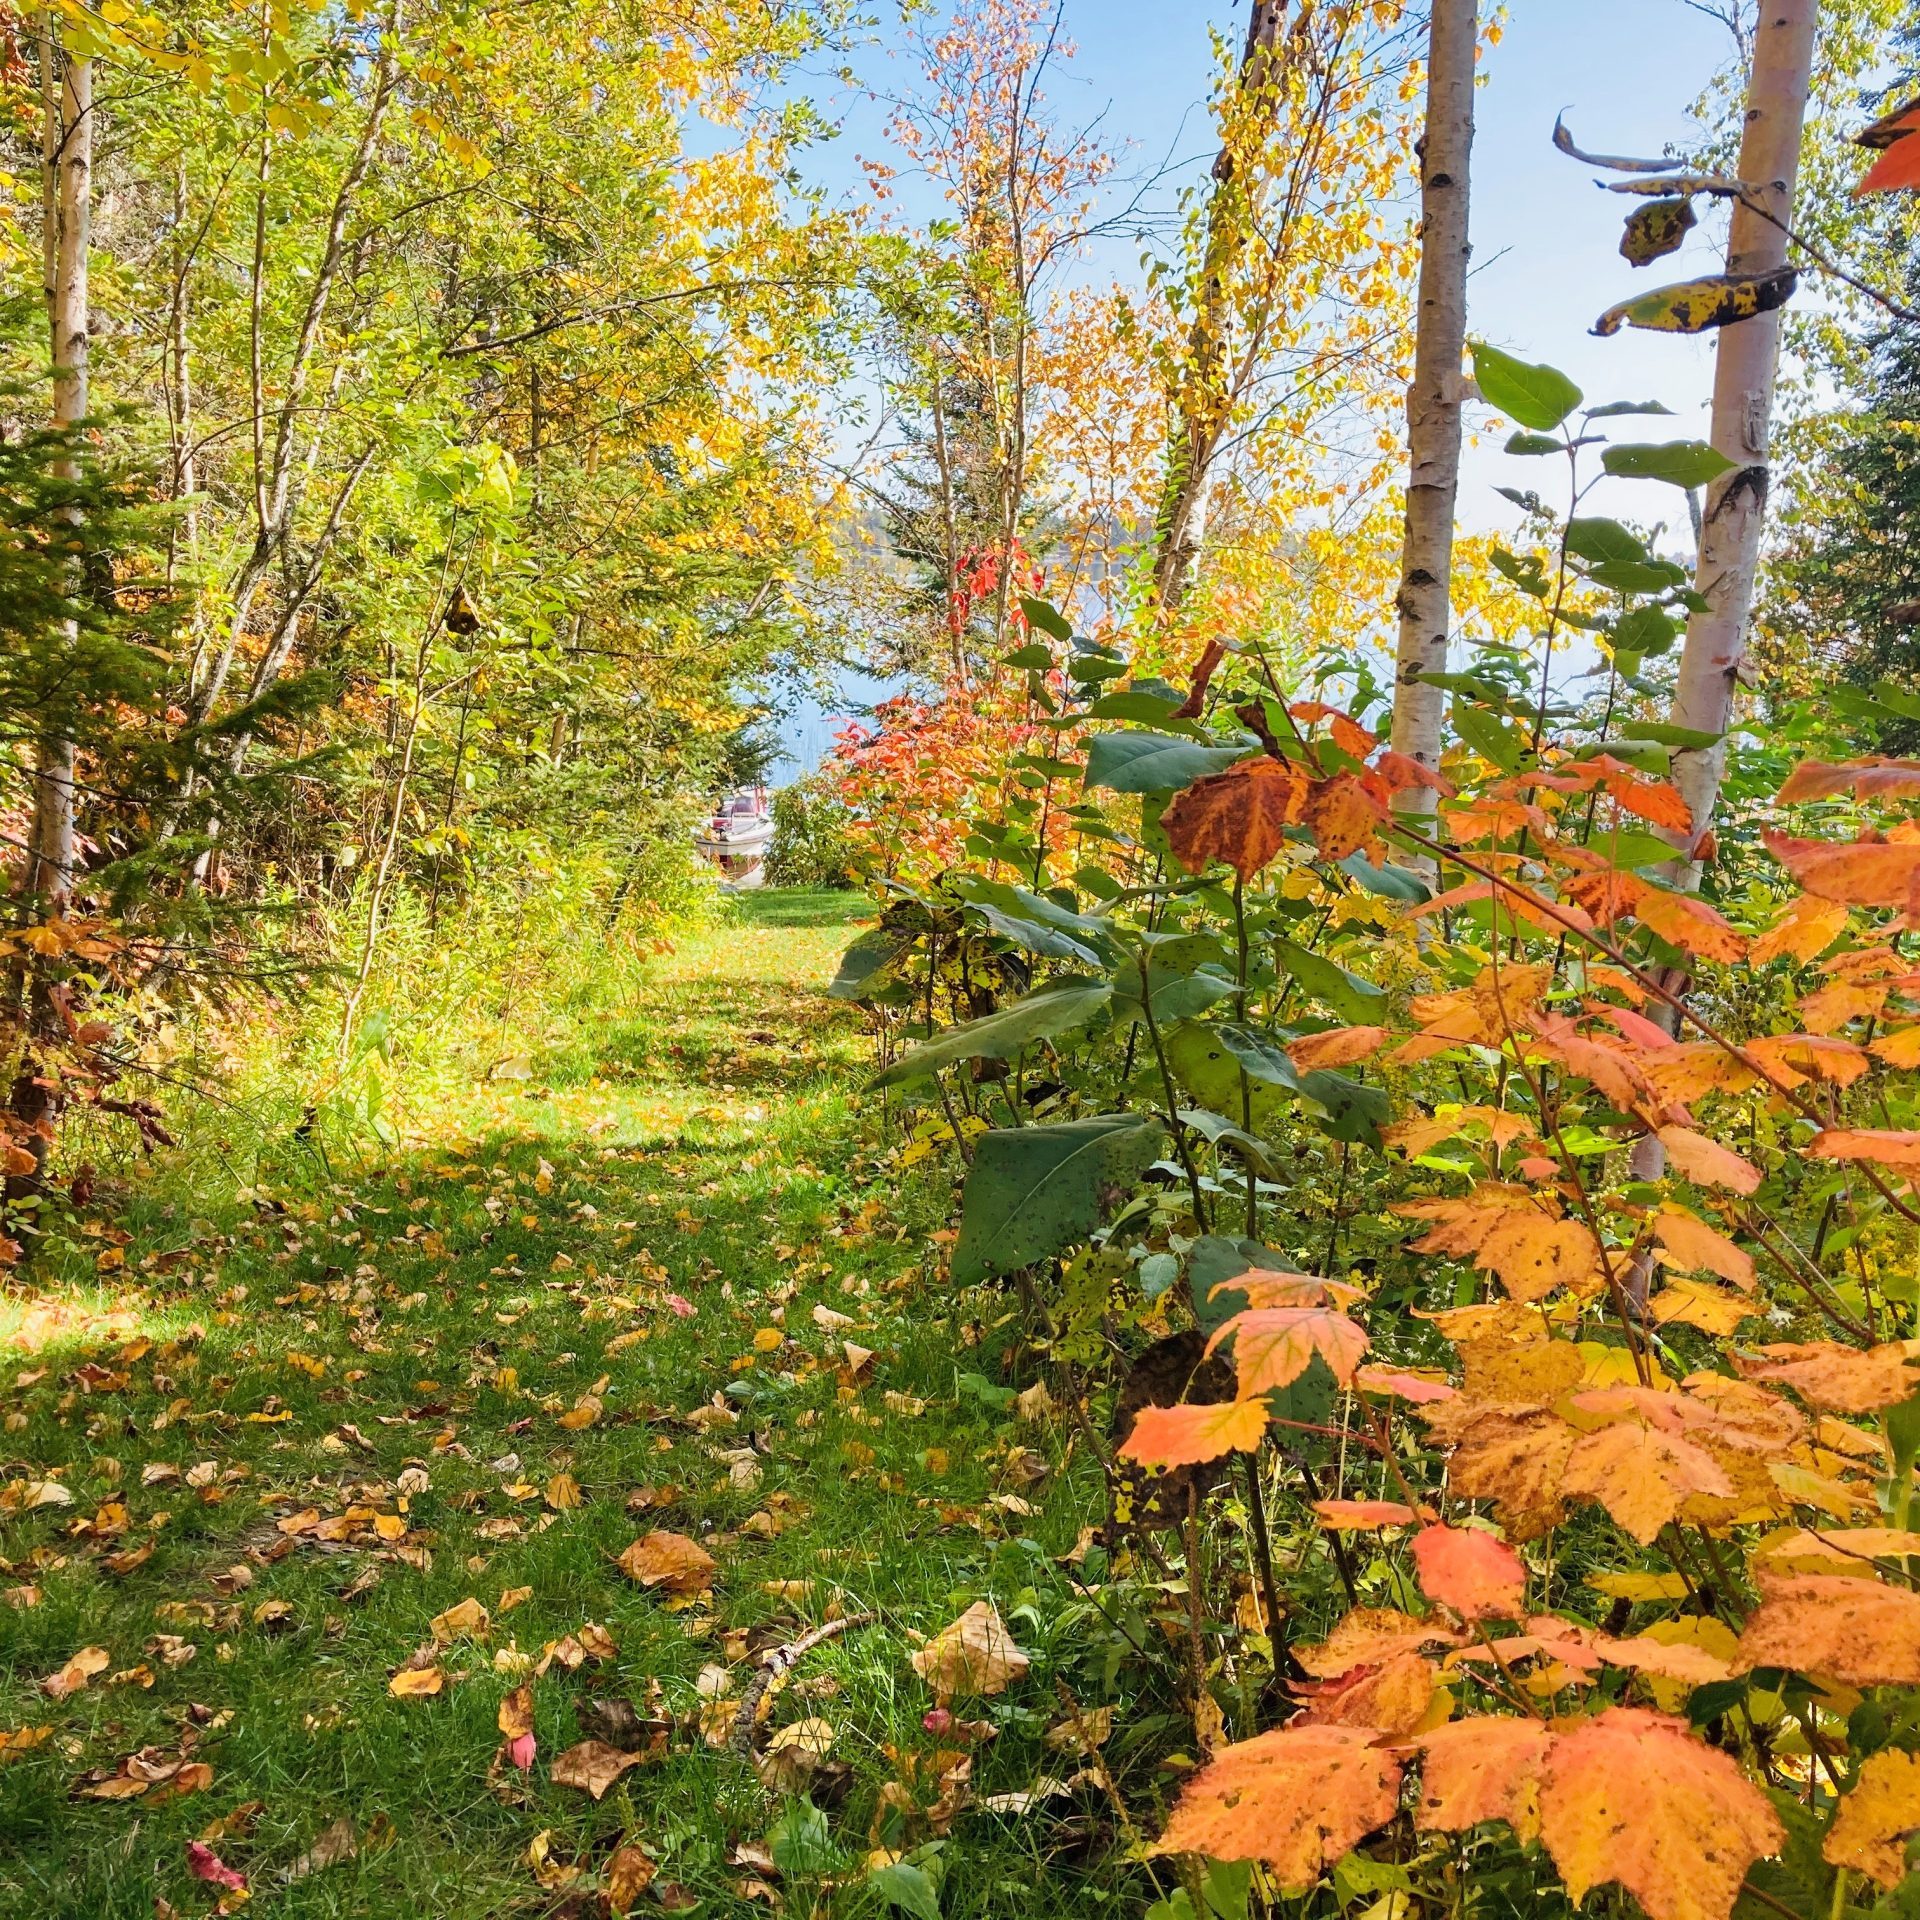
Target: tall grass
[{"x": 473, "y": 987}]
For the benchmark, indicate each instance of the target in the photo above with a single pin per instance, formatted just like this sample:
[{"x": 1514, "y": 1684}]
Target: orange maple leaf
[
  {"x": 1392, "y": 1698},
  {"x": 1298, "y": 1799},
  {"x": 1689, "y": 1243},
  {"x": 1878, "y": 1144},
  {"x": 1633, "y": 1796},
  {"x": 1859, "y": 1631},
  {"x": 1641, "y": 1475},
  {"x": 1470, "y": 1573},
  {"x": 1193, "y": 1432},
  {"x": 1350, "y": 1516},
  {"x": 1706, "y": 1162},
  {"x": 1369, "y": 1636},
  {"x": 1342, "y": 816},
  {"x": 1808, "y": 927},
  {"x": 1848, "y": 1379},
  {"x": 1339, "y": 1047},
  {"x": 1870, "y": 1830},
  {"x": 1876, "y": 778},
  {"x": 1857, "y": 873},
  {"x": 1239, "y": 816},
  {"x": 1483, "y": 1768},
  {"x": 1274, "y": 1346}
]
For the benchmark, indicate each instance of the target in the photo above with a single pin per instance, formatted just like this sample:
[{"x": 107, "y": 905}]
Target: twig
[{"x": 776, "y": 1662}]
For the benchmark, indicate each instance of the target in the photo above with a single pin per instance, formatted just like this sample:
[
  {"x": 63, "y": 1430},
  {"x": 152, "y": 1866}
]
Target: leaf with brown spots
[
  {"x": 1848, "y": 1379},
  {"x": 1870, "y": 1832},
  {"x": 1343, "y": 816},
  {"x": 1239, "y": 816},
  {"x": 1633, "y": 1797},
  {"x": 670, "y": 1561},
  {"x": 1298, "y": 1799},
  {"x": 1859, "y": 1631},
  {"x": 1484, "y": 1768},
  {"x": 1392, "y": 1698},
  {"x": 592, "y": 1766}
]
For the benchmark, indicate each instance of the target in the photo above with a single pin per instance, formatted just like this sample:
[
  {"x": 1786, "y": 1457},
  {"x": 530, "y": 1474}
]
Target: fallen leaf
[
  {"x": 416, "y": 1683},
  {"x": 73, "y": 1677},
  {"x": 204, "y": 1864},
  {"x": 669, "y": 1560},
  {"x": 592, "y": 1766},
  {"x": 331, "y": 1845},
  {"x": 974, "y": 1655},
  {"x": 515, "y": 1721},
  {"x": 467, "y": 1619},
  {"x": 629, "y": 1874}
]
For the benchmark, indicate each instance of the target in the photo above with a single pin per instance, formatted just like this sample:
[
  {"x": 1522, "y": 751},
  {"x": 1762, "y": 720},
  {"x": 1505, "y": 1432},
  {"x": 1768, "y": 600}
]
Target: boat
[{"x": 738, "y": 838}]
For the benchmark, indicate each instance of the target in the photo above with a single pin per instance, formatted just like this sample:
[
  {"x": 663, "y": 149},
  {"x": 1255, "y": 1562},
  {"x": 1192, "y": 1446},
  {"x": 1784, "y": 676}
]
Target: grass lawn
[{"x": 256, "y": 1450}]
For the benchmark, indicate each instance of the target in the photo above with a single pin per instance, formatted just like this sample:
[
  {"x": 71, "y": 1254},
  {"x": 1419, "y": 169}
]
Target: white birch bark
[{"x": 1433, "y": 405}]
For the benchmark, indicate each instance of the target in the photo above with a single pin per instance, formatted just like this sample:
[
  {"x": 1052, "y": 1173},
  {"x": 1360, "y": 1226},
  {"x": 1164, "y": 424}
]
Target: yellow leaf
[{"x": 416, "y": 1683}]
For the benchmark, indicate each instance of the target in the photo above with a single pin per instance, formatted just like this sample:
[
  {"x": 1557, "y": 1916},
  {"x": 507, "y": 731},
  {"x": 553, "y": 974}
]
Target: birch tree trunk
[
  {"x": 1433, "y": 405},
  {"x": 1713, "y": 660},
  {"x": 1746, "y": 354},
  {"x": 66, "y": 150},
  {"x": 1204, "y": 401},
  {"x": 67, "y": 207}
]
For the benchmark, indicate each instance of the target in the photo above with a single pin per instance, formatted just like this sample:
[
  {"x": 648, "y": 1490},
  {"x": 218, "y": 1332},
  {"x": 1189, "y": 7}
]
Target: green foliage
[{"x": 810, "y": 843}]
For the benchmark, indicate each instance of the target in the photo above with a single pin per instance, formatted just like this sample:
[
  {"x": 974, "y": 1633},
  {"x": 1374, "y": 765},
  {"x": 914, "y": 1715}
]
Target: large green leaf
[
  {"x": 1353, "y": 999},
  {"x": 863, "y": 963},
  {"x": 1602, "y": 541},
  {"x": 1056, "y": 1008},
  {"x": 1354, "y": 1111},
  {"x": 1047, "y": 617},
  {"x": 1217, "y": 1258},
  {"x": 1042, "y": 925},
  {"x": 1529, "y": 395},
  {"x": 1185, "y": 975},
  {"x": 1389, "y": 881},
  {"x": 1680, "y": 463},
  {"x": 1140, "y": 762},
  {"x": 1218, "y": 1131},
  {"x": 1645, "y": 630},
  {"x": 1263, "y": 1056},
  {"x": 1034, "y": 1190},
  {"x": 1202, "y": 1063}
]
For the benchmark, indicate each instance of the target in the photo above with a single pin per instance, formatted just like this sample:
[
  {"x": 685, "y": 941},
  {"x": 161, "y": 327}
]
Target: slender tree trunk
[
  {"x": 1433, "y": 406},
  {"x": 67, "y": 212},
  {"x": 67, "y": 142},
  {"x": 1204, "y": 398},
  {"x": 1713, "y": 660},
  {"x": 1714, "y": 657},
  {"x": 180, "y": 383}
]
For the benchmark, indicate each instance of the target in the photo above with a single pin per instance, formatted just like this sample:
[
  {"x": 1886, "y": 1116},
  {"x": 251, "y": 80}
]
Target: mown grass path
[{"x": 255, "y": 1454}]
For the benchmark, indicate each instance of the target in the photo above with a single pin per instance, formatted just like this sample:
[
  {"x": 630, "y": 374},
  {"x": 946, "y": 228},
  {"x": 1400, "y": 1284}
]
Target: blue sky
[{"x": 1625, "y": 72}]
